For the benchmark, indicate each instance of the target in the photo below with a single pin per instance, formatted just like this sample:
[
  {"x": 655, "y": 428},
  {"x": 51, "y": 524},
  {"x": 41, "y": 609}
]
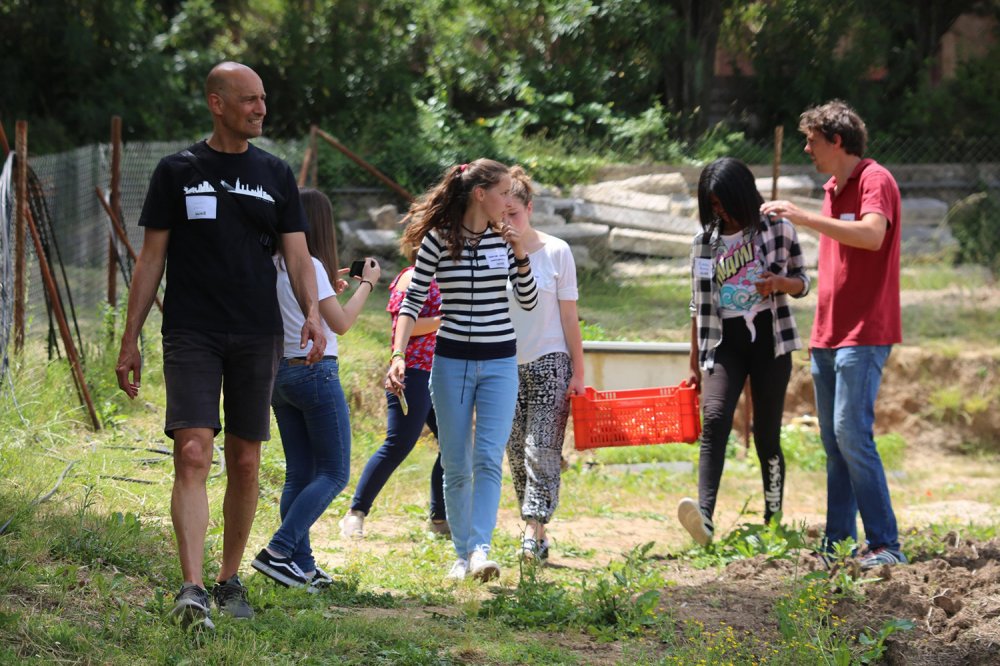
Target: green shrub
[{"x": 975, "y": 223}]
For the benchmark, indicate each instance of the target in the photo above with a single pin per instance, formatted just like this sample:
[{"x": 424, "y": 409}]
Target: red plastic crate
[{"x": 636, "y": 416}]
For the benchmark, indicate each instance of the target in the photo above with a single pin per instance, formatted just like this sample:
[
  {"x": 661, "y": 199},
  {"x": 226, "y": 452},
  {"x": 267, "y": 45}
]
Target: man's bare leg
[
  {"x": 240, "y": 505},
  {"x": 189, "y": 498}
]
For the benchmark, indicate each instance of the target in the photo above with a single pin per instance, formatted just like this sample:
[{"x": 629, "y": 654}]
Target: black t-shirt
[{"x": 220, "y": 277}]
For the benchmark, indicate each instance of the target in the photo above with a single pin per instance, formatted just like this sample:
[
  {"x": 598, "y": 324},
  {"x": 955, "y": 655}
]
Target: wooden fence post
[{"x": 115, "y": 195}]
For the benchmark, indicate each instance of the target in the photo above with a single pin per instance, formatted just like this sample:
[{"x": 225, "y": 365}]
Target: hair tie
[{"x": 462, "y": 168}]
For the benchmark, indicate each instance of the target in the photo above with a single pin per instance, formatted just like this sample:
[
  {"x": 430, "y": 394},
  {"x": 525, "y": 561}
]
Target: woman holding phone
[{"x": 310, "y": 407}]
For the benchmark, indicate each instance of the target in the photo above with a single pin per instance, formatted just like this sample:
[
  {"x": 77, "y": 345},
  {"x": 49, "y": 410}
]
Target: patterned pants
[{"x": 534, "y": 451}]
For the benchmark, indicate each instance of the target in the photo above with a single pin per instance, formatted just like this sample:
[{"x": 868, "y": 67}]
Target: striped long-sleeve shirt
[{"x": 475, "y": 323}]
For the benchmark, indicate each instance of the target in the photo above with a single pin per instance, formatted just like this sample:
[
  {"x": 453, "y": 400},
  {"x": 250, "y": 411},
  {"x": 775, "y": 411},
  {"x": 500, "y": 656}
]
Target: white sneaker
[
  {"x": 481, "y": 567},
  {"x": 352, "y": 525},
  {"x": 695, "y": 522},
  {"x": 458, "y": 570}
]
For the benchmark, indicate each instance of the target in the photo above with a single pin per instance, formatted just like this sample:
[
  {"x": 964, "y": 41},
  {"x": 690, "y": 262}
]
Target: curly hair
[
  {"x": 444, "y": 205},
  {"x": 836, "y": 117}
]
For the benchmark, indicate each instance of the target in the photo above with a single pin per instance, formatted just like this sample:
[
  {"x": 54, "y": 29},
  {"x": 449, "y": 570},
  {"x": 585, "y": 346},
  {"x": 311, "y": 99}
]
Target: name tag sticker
[
  {"x": 847, "y": 217},
  {"x": 496, "y": 258},
  {"x": 200, "y": 207},
  {"x": 703, "y": 268}
]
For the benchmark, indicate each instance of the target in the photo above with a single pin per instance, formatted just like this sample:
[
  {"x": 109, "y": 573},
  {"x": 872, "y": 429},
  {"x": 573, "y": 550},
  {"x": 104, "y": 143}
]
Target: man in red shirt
[{"x": 857, "y": 321}]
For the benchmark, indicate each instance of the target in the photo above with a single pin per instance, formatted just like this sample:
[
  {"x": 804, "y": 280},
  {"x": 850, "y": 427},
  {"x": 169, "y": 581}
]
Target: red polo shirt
[{"x": 858, "y": 290}]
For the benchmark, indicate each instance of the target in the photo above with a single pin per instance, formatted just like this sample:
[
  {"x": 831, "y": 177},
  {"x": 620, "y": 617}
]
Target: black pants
[{"x": 736, "y": 358}]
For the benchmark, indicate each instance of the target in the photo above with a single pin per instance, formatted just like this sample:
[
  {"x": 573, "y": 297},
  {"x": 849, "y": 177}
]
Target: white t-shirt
[
  {"x": 291, "y": 314},
  {"x": 539, "y": 331}
]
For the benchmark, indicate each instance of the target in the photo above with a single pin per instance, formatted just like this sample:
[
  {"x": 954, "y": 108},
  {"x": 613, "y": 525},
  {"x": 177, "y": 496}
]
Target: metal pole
[
  {"x": 21, "y": 176},
  {"x": 391, "y": 184},
  {"x": 67, "y": 338},
  {"x": 119, "y": 231}
]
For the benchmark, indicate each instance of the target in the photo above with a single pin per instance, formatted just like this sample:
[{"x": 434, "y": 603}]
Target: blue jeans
[
  {"x": 846, "y": 381},
  {"x": 472, "y": 464},
  {"x": 402, "y": 433},
  {"x": 315, "y": 429}
]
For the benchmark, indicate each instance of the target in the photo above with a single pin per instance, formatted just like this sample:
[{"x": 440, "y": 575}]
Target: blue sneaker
[{"x": 882, "y": 556}]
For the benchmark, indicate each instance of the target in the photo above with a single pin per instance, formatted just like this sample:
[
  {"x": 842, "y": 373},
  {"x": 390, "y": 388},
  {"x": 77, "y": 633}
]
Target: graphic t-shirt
[
  {"x": 220, "y": 277},
  {"x": 738, "y": 267}
]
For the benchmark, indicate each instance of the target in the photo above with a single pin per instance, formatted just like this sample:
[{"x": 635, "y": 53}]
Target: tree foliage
[{"x": 475, "y": 74}]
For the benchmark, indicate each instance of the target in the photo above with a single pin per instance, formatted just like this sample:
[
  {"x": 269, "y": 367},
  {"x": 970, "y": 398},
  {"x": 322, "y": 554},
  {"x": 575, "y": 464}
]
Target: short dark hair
[
  {"x": 836, "y": 117},
  {"x": 733, "y": 184}
]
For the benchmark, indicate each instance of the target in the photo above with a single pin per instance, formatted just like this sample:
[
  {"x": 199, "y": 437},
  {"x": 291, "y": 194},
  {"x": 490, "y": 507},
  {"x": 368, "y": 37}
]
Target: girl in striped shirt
[{"x": 467, "y": 245}]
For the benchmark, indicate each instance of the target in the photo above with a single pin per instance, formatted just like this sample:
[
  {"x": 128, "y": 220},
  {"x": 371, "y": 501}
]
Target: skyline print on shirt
[{"x": 205, "y": 187}]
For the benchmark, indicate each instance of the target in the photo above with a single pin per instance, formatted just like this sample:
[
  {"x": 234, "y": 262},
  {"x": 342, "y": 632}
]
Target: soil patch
[{"x": 953, "y": 599}]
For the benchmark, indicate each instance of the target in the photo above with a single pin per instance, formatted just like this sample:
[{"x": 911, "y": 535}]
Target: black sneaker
[
  {"x": 192, "y": 607},
  {"x": 320, "y": 581},
  {"x": 281, "y": 569},
  {"x": 231, "y": 598}
]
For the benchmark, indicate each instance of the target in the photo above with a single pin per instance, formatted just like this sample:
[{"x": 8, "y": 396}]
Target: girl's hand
[
  {"x": 575, "y": 386},
  {"x": 512, "y": 236},
  {"x": 340, "y": 285},
  {"x": 395, "y": 377},
  {"x": 371, "y": 271}
]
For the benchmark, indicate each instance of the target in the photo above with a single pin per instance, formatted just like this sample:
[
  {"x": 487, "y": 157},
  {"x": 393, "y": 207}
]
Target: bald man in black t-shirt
[{"x": 212, "y": 218}]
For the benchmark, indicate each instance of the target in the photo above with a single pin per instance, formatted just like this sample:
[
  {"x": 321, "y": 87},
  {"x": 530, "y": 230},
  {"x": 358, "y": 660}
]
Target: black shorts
[{"x": 198, "y": 366}]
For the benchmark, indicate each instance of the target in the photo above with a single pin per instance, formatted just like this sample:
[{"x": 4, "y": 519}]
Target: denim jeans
[
  {"x": 846, "y": 381},
  {"x": 402, "y": 433},
  {"x": 472, "y": 463},
  {"x": 315, "y": 429}
]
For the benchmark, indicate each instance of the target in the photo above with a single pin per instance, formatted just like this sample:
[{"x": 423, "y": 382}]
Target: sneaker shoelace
[{"x": 231, "y": 590}]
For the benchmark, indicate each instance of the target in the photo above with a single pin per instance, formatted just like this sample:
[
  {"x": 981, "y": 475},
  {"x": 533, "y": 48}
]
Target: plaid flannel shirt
[{"x": 782, "y": 255}]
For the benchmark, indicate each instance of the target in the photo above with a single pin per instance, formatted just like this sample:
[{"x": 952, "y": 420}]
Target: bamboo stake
[
  {"x": 391, "y": 184},
  {"x": 308, "y": 157},
  {"x": 3, "y": 141},
  {"x": 21, "y": 176},
  {"x": 779, "y": 138},
  {"x": 119, "y": 231},
  {"x": 71, "y": 353}
]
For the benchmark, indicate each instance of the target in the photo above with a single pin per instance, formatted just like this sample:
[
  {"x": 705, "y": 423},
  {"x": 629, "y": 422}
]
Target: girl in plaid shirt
[{"x": 743, "y": 268}]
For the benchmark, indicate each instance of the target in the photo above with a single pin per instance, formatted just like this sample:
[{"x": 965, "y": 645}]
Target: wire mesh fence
[{"x": 947, "y": 169}]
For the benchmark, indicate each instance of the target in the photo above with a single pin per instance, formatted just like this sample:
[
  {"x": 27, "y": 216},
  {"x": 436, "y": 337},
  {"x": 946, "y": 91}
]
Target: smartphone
[
  {"x": 357, "y": 267},
  {"x": 402, "y": 403}
]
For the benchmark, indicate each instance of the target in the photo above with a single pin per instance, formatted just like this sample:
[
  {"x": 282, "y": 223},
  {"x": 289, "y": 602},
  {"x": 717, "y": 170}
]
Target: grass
[{"x": 88, "y": 572}]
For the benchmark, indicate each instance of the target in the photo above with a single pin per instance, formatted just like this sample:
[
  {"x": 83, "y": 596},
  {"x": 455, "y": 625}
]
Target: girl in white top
[
  {"x": 550, "y": 370},
  {"x": 310, "y": 406}
]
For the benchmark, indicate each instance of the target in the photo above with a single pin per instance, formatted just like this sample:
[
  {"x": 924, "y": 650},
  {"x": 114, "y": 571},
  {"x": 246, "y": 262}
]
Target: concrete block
[
  {"x": 384, "y": 217},
  {"x": 923, "y": 212},
  {"x": 649, "y": 243},
  {"x": 800, "y": 186},
  {"x": 632, "y": 218},
  {"x": 539, "y": 219}
]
